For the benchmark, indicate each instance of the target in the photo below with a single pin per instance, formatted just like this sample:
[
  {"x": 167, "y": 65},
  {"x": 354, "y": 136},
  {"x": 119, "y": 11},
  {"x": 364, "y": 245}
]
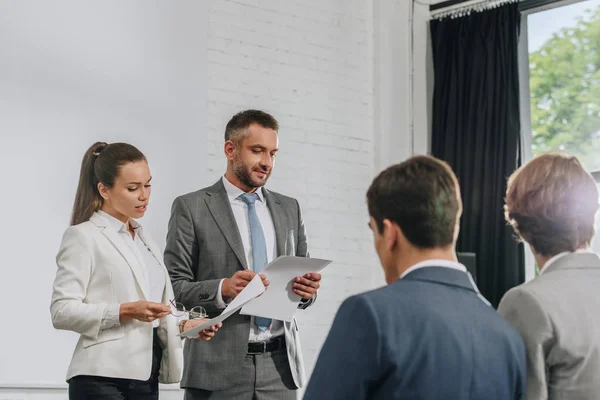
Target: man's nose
[{"x": 267, "y": 161}]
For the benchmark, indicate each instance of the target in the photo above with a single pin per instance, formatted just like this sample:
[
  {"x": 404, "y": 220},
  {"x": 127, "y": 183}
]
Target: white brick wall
[{"x": 308, "y": 63}]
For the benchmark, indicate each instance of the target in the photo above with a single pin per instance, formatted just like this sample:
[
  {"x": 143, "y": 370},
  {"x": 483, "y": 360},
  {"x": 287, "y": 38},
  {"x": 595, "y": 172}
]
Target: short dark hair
[
  {"x": 421, "y": 195},
  {"x": 551, "y": 203},
  {"x": 237, "y": 125}
]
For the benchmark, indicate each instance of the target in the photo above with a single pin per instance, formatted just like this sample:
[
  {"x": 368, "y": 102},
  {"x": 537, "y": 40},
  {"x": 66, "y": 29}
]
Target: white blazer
[{"x": 97, "y": 269}]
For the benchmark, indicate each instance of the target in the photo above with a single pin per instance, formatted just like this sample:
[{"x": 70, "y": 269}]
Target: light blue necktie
[{"x": 259, "y": 247}]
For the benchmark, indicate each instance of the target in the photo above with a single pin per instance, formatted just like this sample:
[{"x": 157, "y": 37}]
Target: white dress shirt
[
  {"x": 446, "y": 264},
  {"x": 561, "y": 255},
  {"x": 240, "y": 213},
  {"x": 153, "y": 271}
]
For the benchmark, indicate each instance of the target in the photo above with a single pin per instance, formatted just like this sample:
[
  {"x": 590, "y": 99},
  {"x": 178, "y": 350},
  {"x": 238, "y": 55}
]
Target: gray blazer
[
  {"x": 558, "y": 316},
  {"x": 204, "y": 246}
]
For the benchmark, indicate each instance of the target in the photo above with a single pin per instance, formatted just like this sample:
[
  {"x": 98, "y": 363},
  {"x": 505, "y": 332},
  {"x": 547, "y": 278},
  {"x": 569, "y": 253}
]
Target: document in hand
[
  {"x": 253, "y": 289},
  {"x": 279, "y": 301}
]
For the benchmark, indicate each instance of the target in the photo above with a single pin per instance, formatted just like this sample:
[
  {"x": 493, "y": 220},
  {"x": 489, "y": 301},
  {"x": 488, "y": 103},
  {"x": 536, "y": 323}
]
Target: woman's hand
[
  {"x": 145, "y": 311},
  {"x": 205, "y": 334}
]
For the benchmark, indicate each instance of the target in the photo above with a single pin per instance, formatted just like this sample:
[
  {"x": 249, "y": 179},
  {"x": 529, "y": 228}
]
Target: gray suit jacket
[
  {"x": 204, "y": 246},
  {"x": 557, "y": 314}
]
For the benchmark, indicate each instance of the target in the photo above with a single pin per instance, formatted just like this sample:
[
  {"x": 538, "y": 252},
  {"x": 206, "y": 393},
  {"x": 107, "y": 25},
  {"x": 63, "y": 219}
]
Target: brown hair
[
  {"x": 422, "y": 196},
  {"x": 235, "y": 129},
  {"x": 101, "y": 163},
  {"x": 551, "y": 203}
]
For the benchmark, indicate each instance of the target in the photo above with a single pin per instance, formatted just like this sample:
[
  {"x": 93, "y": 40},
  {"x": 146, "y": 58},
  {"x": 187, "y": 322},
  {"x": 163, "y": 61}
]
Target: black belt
[{"x": 266, "y": 346}]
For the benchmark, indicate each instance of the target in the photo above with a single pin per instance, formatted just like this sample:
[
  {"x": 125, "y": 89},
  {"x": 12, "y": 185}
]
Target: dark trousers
[{"x": 85, "y": 387}]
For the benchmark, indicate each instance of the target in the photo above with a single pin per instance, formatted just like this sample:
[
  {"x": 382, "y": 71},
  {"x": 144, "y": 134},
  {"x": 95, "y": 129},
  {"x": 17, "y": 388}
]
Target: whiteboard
[{"x": 74, "y": 72}]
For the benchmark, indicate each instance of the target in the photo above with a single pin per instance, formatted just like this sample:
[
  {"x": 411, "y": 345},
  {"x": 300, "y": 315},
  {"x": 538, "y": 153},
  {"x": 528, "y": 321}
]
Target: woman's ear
[{"x": 103, "y": 190}]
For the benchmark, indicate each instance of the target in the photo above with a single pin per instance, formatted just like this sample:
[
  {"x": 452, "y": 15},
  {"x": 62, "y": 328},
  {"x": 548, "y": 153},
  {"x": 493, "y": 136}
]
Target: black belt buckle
[{"x": 264, "y": 347}]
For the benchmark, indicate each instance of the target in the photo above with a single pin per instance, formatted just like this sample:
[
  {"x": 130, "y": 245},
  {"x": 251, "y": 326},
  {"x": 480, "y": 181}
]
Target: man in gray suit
[
  {"x": 551, "y": 203},
  {"x": 219, "y": 238}
]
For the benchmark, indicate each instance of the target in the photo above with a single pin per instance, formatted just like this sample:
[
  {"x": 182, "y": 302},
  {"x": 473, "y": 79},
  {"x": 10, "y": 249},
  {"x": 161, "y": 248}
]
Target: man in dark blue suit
[{"x": 428, "y": 334}]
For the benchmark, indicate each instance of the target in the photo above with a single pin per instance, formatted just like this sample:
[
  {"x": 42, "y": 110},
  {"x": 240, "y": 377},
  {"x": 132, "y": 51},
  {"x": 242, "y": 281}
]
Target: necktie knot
[{"x": 249, "y": 198}]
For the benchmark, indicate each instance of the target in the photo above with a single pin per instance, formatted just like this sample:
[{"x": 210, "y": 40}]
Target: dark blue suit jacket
[{"x": 426, "y": 336}]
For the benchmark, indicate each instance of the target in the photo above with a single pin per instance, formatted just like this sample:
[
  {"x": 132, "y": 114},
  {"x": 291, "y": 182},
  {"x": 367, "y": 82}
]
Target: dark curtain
[{"x": 476, "y": 129}]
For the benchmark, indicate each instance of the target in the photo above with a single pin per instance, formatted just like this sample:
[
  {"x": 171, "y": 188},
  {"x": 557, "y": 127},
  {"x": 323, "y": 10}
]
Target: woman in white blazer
[{"x": 111, "y": 285}]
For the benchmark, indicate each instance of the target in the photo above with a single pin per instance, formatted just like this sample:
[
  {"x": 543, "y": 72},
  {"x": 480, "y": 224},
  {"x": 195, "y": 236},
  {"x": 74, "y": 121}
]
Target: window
[{"x": 563, "y": 60}]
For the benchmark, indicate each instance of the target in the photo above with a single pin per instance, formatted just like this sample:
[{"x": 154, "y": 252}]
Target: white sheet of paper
[
  {"x": 279, "y": 301},
  {"x": 253, "y": 289}
]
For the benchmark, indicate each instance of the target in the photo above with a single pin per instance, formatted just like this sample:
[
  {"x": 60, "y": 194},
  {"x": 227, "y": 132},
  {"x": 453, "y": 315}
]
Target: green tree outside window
[{"x": 565, "y": 91}]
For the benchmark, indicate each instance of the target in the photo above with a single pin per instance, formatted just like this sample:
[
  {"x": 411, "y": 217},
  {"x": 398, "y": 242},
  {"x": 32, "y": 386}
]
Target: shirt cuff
[
  {"x": 111, "y": 317},
  {"x": 220, "y": 302}
]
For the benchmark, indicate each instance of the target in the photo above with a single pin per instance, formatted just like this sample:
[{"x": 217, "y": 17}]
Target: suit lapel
[
  {"x": 279, "y": 222},
  {"x": 126, "y": 252},
  {"x": 218, "y": 205}
]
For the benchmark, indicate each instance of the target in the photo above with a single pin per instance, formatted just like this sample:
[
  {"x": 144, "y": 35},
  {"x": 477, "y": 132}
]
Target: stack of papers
[{"x": 278, "y": 301}]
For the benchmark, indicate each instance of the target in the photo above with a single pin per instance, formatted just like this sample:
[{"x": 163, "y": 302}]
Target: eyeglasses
[{"x": 178, "y": 310}]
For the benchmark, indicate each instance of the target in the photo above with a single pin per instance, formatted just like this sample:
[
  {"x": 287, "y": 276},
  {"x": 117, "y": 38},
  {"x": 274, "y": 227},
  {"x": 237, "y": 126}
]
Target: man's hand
[
  {"x": 233, "y": 286},
  {"x": 205, "y": 334},
  {"x": 307, "y": 285}
]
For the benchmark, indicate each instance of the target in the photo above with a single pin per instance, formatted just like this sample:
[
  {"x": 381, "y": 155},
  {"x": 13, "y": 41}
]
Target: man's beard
[{"x": 243, "y": 174}]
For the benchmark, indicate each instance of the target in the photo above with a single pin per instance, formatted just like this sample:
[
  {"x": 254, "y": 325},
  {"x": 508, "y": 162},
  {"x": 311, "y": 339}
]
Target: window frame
[{"x": 527, "y": 7}]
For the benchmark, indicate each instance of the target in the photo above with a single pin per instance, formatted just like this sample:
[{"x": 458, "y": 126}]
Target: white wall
[
  {"x": 336, "y": 73},
  {"x": 403, "y": 76},
  {"x": 73, "y": 73},
  {"x": 422, "y": 78},
  {"x": 596, "y": 241}
]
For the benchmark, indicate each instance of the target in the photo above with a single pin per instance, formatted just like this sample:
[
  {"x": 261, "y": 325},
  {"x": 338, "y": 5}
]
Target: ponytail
[{"x": 101, "y": 163}]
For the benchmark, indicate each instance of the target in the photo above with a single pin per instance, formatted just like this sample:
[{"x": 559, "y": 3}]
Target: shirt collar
[
  {"x": 435, "y": 263},
  {"x": 118, "y": 225},
  {"x": 561, "y": 255},
  {"x": 234, "y": 192}
]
